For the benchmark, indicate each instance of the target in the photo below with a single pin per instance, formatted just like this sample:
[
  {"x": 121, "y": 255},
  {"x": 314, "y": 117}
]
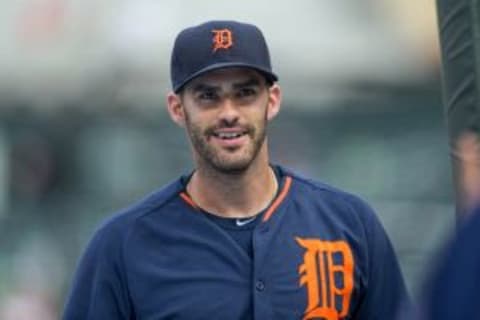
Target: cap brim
[{"x": 270, "y": 76}]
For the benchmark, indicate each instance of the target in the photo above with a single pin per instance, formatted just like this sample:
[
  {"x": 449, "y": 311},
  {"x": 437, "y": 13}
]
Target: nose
[{"x": 229, "y": 113}]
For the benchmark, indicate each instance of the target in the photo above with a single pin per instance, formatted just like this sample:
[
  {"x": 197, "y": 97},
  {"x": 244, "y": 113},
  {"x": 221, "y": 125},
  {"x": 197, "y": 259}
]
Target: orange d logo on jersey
[
  {"x": 222, "y": 39},
  {"x": 327, "y": 274}
]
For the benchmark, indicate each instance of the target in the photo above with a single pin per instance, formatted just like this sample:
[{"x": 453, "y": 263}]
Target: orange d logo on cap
[{"x": 222, "y": 39}]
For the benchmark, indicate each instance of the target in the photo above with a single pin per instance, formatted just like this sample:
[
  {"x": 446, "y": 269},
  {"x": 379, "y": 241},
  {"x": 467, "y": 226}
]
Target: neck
[{"x": 242, "y": 194}]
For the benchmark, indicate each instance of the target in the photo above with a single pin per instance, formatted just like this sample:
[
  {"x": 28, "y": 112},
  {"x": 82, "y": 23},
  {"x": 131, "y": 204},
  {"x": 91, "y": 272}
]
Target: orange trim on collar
[
  {"x": 188, "y": 200},
  {"x": 270, "y": 210},
  {"x": 279, "y": 200}
]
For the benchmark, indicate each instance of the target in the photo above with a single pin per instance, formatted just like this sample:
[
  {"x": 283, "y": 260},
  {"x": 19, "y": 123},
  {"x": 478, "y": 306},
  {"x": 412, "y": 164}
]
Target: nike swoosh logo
[{"x": 242, "y": 222}]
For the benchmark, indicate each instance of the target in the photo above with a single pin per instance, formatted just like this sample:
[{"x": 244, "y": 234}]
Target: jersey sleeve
[
  {"x": 451, "y": 291},
  {"x": 99, "y": 289},
  {"x": 386, "y": 294}
]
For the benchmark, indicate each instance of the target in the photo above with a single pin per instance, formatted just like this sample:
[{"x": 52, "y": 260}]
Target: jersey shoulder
[
  {"x": 118, "y": 224},
  {"x": 319, "y": 193}
]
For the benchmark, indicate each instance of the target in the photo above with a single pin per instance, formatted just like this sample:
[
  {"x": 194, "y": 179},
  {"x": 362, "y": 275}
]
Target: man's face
[{"x": 226, "y": 114}]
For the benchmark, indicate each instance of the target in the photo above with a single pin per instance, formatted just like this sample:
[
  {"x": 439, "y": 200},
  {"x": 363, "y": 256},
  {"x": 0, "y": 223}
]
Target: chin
[{"x": 233, "y": 166}]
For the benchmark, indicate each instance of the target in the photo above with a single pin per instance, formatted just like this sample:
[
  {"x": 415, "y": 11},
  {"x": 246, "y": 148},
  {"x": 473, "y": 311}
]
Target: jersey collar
[{"x": 285, "y": 182}]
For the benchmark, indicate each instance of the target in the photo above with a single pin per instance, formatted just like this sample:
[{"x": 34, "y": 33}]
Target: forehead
[{"x": 227, "y": 78}]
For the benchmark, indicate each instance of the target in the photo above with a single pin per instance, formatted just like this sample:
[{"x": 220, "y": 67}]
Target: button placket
[{"x": 260, "y": 285}]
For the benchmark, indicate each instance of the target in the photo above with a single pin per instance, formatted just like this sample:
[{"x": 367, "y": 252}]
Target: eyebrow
[
  {"x": 204, "y": 87},
  {"x": 249, "y": 83}
]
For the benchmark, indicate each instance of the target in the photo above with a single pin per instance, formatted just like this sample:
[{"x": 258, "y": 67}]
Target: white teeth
[{"x": 228, "y": 135}]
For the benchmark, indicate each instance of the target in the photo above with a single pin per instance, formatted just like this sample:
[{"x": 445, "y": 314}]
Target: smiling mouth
[{"x": 229, "y": 135}]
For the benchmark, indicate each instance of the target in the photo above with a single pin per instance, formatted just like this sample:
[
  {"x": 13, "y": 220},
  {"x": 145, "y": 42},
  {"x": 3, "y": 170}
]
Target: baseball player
[{"x": 238, "y": 237}]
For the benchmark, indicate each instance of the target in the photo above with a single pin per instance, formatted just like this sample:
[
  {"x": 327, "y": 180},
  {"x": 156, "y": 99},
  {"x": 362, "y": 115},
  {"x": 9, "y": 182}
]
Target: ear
[
  {"x": 274, "y": 101},
  {"x": 175, "y": 108}
]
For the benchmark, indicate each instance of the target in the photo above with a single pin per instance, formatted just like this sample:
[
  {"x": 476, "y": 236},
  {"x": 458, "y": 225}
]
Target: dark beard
[{"x": 213, "y": 159}]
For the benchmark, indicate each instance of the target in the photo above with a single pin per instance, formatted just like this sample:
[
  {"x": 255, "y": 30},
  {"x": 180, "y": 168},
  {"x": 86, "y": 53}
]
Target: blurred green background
[{"x": 84, "y": 130}]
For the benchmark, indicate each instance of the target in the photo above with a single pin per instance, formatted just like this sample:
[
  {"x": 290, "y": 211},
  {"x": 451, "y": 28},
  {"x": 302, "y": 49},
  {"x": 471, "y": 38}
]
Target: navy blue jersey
[
  {"x": 453, "y": 290},
  {"x": 318, "y": 253}
]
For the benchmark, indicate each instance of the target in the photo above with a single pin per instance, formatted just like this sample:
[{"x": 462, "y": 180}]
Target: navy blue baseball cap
[{"x": 218, "y": 44}]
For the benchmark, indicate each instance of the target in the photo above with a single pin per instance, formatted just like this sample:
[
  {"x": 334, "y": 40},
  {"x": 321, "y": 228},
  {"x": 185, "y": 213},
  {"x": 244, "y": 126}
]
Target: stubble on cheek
[{"x": 225, "y": 160}]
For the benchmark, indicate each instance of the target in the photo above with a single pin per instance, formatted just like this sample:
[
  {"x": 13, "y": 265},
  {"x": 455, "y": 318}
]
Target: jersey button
[{"x": 260, "y": 285}]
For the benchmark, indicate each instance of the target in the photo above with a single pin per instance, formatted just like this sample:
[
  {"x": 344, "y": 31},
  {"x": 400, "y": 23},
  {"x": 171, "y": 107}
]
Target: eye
[
  {"x": 207, "y": 95},
  {"x": 246, "y": 92}
]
